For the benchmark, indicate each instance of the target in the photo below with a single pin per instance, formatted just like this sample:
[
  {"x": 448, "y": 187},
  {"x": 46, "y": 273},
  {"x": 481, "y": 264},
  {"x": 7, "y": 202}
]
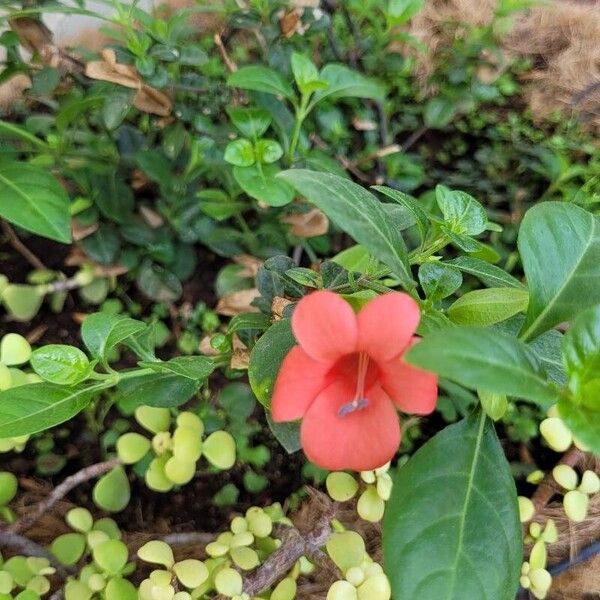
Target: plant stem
[{"x": 301, "y": 114}]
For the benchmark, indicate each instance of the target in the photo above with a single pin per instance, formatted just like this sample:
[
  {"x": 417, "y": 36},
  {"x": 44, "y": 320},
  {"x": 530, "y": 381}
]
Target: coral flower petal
[
  {"x": 411, "y": 389},
  {"x": 325, "y": 326},
  {"x": 361, "y": 440},
  {"x": 299, "y": 382},
  {"x": 386, "y": 325}
]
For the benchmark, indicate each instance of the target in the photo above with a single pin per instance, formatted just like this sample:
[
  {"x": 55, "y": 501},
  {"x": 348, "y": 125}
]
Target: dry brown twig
[
  {"x": 20, "y": 247},
  {"x": 60, "y": 491}
]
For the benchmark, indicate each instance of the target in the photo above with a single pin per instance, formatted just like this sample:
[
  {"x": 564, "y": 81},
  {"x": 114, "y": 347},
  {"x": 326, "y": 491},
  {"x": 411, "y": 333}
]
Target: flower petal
[
  {"x": 325, "y": 326},
  {"x": 386, "y": 325},
  {"x": 299, "y": 382},
  {"x": 361, "y": 440},
  {"x": 411, "y": 389}
]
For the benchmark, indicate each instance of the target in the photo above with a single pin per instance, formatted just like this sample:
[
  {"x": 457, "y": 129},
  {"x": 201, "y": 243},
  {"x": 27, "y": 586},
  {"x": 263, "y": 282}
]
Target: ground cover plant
[{"x": 293, "y": 306}]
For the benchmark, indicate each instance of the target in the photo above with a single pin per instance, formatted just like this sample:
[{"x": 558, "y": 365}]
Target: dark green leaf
[
  {"x": 358, "y": 213},
  {"x": 33, "y": 199},
  {"x": 439, "y": 112},
  {"x": 439, "y": 280},
  {"x": 410, "y": 203},
  {"x": 451, "y": 529},
  {"x": 162, "y": 390},
  {"x": 158, "y": 283},
  {"x": 581, "y": 346},
  {"x": 266, "y": 358},
  {"x": 287, "y": 434},
  {"x": 103, "y": 245},
  {"x": 101, "y": 332},
  {"x": 197, "y": 368},
  {"x": 484, "y": 359},
  {"x": 560, "y": 249}
]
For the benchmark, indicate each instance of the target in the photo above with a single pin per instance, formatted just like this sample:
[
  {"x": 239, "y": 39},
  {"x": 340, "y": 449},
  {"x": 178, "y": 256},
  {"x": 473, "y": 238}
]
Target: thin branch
[
  {"x": 548, "y": 487},
  {"x": 21, "y": 248},
  {"x": 194, "y": 537},
  {"x": 230, "y": 64},
  {"x": 60, "y": 491},
  {"x": 27, "y": 547},
  {"x": 414, "y": 138}
]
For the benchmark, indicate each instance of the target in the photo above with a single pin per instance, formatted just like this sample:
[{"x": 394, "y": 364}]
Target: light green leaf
[
  {"x": 33, "y": 199},
  {"x": 484, "y": 359},
  {"x": 494, "y": 405},
  {"x": 560, "y": 249},
  {"x": 266, "y": 358},
  {"x": 305, "y": 72},
  {"x": 101, "y": 332},
  {"x": 252, "y": 122},
  {"x": 358, "y": 213},
  {"x": 462, "y": 213},
  {"x": 261, "y": 79},
  {"x": 261, "y": 184},
  {"x": 583, "y": 421},
  {"x": 488, "y": 274},
  {"x": 61, "y": 364},
  {"x": 268, "y": 151},
  {"x": 112, "y": 491},
  {"x": 37, "y": 406},
  {"x": 581, "y": 346},
  {"x": 240, "y": 153},
  {"x": 347, "y": 83},
  {"x": 451, "y": 528},
  {"x": 488, "y": 306}
]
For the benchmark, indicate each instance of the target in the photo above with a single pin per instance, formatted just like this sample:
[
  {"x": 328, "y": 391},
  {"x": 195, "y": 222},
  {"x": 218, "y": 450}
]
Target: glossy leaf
[
  {"x": 488, "y": 306},
  {"x": 452, "y": 528},
  {"x": 101, "y": 332},
  {"x": 261, "y": 184},
  {"x": 358, "y": 213},
  {"x": 34, "y": 200},
  {"x": 560, "y": 249},
  {"x": 252, "y": 122},
  {"x": 439, "y": 280},
  {"x": 484, "y": 359},
  {"x": 462, "y": 213},
  {"x": 37, "y": 406},
  {"x": 61, "y": 364}
]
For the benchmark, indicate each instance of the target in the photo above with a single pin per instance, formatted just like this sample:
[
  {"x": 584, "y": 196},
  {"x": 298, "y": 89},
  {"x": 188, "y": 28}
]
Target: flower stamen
[{"x": 359, "y": 402}]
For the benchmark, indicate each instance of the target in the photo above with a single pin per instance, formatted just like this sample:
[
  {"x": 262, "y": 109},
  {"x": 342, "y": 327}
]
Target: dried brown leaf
[
  {"x": 250, "y": 263},
  {"x": 237, "y": 303},
  {"x": 240, "y": 357},
  {"x": 153, "y": 101},
  {"x": 33, "y": 34},
  {"x": 278, "y": 306},
  {"x": 308, "y": 224},
  {"x": 205, "y": 347}
]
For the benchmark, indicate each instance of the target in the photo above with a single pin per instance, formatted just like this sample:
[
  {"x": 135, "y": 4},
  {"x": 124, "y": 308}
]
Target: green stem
[
  {"x": 436, "y": 246},
  {"x": 301, "y": 114}
]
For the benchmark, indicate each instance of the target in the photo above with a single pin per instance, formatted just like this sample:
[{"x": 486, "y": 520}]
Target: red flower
[{"x": 346, "y": 378}]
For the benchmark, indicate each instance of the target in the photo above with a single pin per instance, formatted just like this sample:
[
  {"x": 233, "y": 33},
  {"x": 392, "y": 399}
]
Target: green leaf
[
  {"x": 488, "y": 306},
  {"x": 22, "y": 301},
  {"x": 451, "y": 528},
  {"x": 240, "y": 153},
  {"x": 157, "y": 389},
  {"x": 249, "y": 322},
  {"x": 261, "y": 184},
  {"x": 116, "y": 106},
  {"x": 111, "y": 556},
  {"x": 410, "y": 203},
  {"x": 112, "y": 492},
  {"x": 68, "y": 548},
  {"x": 266, "y": 358},
  {"x": 120, "y": 589},
  {"x": 548, "y": 349},
  {"x": 494, "y": 405},
  {"x": 101, "y": 332},
  {"x": 287, "y": 434},
  {"x": 490, "y": 275},
  {"x": 583, "y": 421},
  {"x": 439, "y": 112},
  {"x": 560, "y": 250},
  {"x": 305, "y": 72},
  {"x": 34, "y": 407},
  {"x": 61, "y": 364},
  {"x": 439, "y": 280},
  {"x": 158, "y": 283},
  {"x": 34, "y": 200},
  {"x": 261, "y": 79},
  {"x": 103, "y": 245},
  {"x": 484, "y": 359},
  {"x": 347, "y": 83},
  {"x": 268, "y": 151},
  {"x": 358, "y": 213},
  {"x": 306, "y": 277},
  {"x": 197, "y": 368},
  {"x": 252, "y": 122},
  {"x": 581, "y": 346},
  {"x": 402, "y": 11},
  {"x": 462, "y": 213}
]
